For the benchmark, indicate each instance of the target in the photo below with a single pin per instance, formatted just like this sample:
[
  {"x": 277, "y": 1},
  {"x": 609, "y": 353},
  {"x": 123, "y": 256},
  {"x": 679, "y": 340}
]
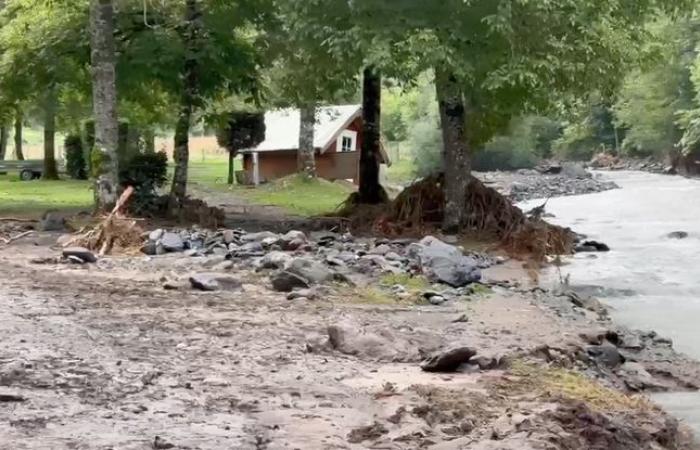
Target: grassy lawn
[
  {"x": 401, "y": 171},
  {"x": 31, "y": 198},
  {"x": 211, "y": 172},
  {"x": 298, "y": 196}
]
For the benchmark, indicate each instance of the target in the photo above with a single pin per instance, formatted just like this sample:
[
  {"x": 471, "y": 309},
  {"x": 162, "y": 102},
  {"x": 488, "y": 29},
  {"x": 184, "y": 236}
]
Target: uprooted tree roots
[
  {"x": 114, "y": 232},
  {"x": 420, "y": 208}
]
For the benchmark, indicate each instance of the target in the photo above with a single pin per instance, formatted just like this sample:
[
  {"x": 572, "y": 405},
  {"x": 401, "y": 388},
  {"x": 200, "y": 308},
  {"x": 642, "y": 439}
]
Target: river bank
[{"x": 127, "y": 344}]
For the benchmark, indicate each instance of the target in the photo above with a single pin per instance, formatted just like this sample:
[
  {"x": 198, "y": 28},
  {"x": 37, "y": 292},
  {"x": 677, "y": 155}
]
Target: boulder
[
  {"x": 380, "y": 250},
  {"x": 678, "y": 235},
  {"x": 215, "y": 282},
  {"x": 444, "y": 263},
  {"x": 591, "y": 246},
  {"x": 156, "y": 234},
  {"x": 286, "y": 281},
  {"x": 52, "y": 221},
  {"x": 228, "y": 236},
  {"x": 172, "y": 242},
  {"x": 275, "y": 260},
  {"x": 81, "y": 253},
  {"x": 448, "y": 361},
  {"x": 606, "y": 354},
  {"x": 311, "y": 270},
  {"x": 149, "y": 248}
]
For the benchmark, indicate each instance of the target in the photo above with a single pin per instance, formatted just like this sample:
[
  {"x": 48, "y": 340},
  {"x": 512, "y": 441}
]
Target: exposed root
[
  {"x": 420, "y": 208},
  {"x": 114, "y": 233}
]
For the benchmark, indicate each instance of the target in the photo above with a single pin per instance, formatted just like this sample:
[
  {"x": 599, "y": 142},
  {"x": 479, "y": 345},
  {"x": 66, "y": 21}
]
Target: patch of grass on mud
[
  {"x": 411, "y": 283},
  {"x": 552, "y": 382}
]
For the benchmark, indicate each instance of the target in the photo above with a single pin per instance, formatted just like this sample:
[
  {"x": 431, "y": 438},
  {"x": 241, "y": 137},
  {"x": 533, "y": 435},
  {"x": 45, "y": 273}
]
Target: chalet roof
[{"x": 282, "y": 127}]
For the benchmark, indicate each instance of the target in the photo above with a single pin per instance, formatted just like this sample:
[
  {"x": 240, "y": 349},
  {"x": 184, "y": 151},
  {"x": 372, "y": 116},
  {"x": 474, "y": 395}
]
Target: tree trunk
[
  {"x": 371, "y": 192},
  {"x": 4, "y": 135},
  {"x": 19, "y": 119},
  {"x": 104, "y": 100},
  {"x": 306, "y": 158},
  {"x": 149, "y": 141},
  {"x": 230, "y": 168},
  {"x": 181, "y": 154},
  {"x": 456, "y": 156},
  {"x": 50, "y": 170}
]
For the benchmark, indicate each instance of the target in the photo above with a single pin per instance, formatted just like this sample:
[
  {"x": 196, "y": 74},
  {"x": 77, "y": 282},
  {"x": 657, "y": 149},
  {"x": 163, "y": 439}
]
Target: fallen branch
[
  {"x": 7, "y": 241},
  {"x": 17, "y": 219}
]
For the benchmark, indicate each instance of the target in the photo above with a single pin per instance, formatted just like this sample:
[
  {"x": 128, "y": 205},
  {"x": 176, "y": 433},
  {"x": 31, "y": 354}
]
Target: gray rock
[
  {"x": 213, "y": 261},
  {"x": 52, "y": 221},
  {"x": 678, "y": 235},
  {"x": 81, "y": 253},
  {"x": 259, "y": 237},
  {"x": 149, "y": 248},
  {"x": 228, "y": 236},
  {"x": 311, "y": 270},
  {"x": 215, "y": 282},
  {"x": 448, "y": 361},
  {"x": 172, "y": 242},
  {"x": 275, "y": 260},
  {"x": 444, "y": 263},
  {"x": 437, "y": 300},
  {"x": 574, "y": 170},
  {"x": 156, "y": 234},
  {"x": 392, "y": 256},
  {"x": 285, "y": 281},
  {"x": 380, "y": 250},
  {"x": 606, "y": 354},
  {"x": 308, "y": 294}
]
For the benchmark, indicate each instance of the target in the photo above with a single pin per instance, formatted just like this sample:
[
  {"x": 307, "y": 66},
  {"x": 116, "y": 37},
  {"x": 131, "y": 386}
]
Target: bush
[
  {"x": 75, "y": 157},
  {"x": 146, "y": 173}
]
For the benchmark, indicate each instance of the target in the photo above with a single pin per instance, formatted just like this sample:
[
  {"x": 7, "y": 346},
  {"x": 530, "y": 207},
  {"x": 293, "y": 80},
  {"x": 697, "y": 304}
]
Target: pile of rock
[
  {"x": 300, "y": 261},
  {"x": 552, "y": 180}
]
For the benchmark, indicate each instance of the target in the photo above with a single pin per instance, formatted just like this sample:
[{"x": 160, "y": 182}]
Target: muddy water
[{"x": 651, "y": 281}]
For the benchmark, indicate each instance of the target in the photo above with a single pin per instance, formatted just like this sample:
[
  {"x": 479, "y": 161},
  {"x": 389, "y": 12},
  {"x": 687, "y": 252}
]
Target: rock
[
  {"x": 172, "y": 242},
  {"x": 213, "y": 261},
  {"x": 592, "y": 246},
  {"x": 367, "y": 433},
  {"x": 380, "y": 250},
  {"x": 311, "y": 270},
  {"x": 448, "y": 361},
  {"x": 259, "y": 237},
  {"x": 229, "y": 237},
  {"x": 444, "y": 263},
  {"x": 52, "y": 221},
  {"x": 286, "y": 281},
  {"x": 678, "y": 235},
  {"x": 75, "y": 260},
  {"x": 214, "y": 282},
  {"x": 437, "y": 300},
  {"x": 275, "y": 260},
  {"x": 392, "y": 256},
  {"x": 308, "y": 294},
  {"x": 11, "y": 398},
  {"x": 81, "y": 253},
  {"x": 156, "y": 234},
  {"x": 574, "y": 170},
  {"x": 161, "y": 444},
  {"x": 293, "y": 240},
  {"x": 606, "y": 354}
]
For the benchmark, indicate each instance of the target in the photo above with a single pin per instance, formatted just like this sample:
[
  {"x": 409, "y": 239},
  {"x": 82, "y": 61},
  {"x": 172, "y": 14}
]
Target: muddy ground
[{"x": 103, "y": 357}]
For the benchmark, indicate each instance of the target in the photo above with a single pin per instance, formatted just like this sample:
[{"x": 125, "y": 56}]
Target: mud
[{"x": 104, "y": 357}]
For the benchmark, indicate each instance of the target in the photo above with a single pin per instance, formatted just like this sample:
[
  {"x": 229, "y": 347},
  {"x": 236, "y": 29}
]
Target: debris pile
[{"x": 299, "y": 261}]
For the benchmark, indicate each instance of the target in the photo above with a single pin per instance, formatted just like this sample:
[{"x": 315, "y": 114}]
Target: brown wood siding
[{"x": 330, "y": 165}]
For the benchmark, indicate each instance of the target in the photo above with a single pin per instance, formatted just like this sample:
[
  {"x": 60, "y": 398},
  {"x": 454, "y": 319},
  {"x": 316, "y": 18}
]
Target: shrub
[
  {"x": 146, "y": 173},
  {"x": 75, "y": 157}
]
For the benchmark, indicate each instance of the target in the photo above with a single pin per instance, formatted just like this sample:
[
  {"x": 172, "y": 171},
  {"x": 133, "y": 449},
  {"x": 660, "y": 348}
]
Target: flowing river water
[{"x": 650, "y": 281}]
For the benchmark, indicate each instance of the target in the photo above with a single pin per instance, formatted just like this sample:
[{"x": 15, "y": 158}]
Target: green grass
[
  {"x": 402, "y": 171},
  {"x": 211, "y": 172},
  {"x": 299, "y": 196},
  {"x": 31, "y": 198}
]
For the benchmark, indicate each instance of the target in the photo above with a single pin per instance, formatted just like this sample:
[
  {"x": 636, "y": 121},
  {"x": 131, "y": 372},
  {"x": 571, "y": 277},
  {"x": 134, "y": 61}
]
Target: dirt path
[{"x": 107, "y": 359}]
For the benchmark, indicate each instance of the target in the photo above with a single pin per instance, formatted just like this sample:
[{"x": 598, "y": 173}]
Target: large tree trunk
[
  {"x": 371, "y": 192},
  {"x": 149, "y": 141},
  {"x": 456, "y": 156},
  {"x": 50, "y": 170},
  {"x": 181, "y": 154},
  {"x": 104, "y": 100},
  {"x": 4, "y": 135},
  {"x": 19, "y": 119},
  {"x": 231, "y": 174},
  {"x": 306, "y": 158}
]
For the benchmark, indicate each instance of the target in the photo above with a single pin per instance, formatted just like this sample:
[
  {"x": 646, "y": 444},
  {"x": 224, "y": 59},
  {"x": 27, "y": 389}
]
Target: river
[{"x": 650, "y": 281}]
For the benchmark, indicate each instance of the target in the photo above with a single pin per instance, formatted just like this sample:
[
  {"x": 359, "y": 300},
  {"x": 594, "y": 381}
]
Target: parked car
[{"x": 28, "y": 169}]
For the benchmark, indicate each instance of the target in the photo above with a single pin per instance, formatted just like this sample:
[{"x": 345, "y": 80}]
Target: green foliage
[
  {"x": 146, "y": 173},
  {"x": 75, "y": 157},
  {"x": 241, "y": 130},
  {"x": 592, "y": 130}
]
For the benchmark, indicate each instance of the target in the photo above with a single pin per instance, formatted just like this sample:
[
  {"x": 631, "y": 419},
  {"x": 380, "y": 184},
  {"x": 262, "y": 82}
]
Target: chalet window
[{"x": 347, "y": 142}]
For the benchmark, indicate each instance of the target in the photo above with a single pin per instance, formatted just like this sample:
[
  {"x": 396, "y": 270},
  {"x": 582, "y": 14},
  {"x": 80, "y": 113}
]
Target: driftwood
[
  {"x": 9, "y": 240},
  {"x": 17, "y": 219}
]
